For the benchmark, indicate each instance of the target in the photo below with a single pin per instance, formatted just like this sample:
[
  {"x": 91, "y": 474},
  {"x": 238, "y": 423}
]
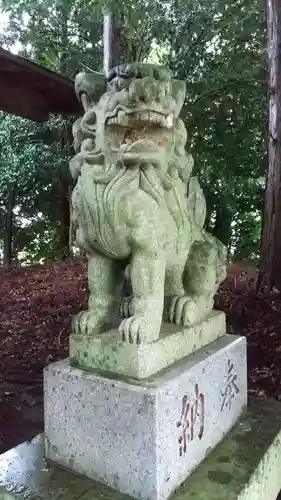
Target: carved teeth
[
  {"x": 169, "y": 121},
  {"x": 154, "y": 117},
  {"x": 113, "y": 121},
  {"x": 123, "y": 119}
]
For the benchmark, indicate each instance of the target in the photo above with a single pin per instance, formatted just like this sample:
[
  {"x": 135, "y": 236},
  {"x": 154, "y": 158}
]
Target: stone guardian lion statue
[{"x": 135, "y": 204}]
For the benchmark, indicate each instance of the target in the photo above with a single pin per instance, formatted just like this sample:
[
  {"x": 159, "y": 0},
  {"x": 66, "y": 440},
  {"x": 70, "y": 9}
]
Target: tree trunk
[
  {"x": 270, "y": 265},
  {"x": 65, "y": 141},
  {"x": 64, "y": 220},
  {"x": 222, "y": 228},
  {"x": 8, "y": 233},
  {"x": 71, "y": 228}
]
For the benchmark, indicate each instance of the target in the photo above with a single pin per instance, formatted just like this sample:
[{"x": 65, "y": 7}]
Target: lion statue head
[
  {"x": 131, "y": 137},
  {"x": 132, "y": 119}
]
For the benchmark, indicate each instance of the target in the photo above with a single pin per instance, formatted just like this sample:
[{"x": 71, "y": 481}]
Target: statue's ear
[
  {"x": 89, "y": 87},
  {"x": 178, "y": 92}
]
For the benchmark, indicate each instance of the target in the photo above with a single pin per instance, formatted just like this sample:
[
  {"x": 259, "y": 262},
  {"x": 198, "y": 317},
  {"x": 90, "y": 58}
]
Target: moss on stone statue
[
  {"x": 136, "y": 203},
  {"x": 246, "y": 464}
]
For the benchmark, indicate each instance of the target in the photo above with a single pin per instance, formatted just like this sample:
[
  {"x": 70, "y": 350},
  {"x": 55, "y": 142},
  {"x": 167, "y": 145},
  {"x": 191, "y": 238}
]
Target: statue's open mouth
[{"x": 139, "y": 119}]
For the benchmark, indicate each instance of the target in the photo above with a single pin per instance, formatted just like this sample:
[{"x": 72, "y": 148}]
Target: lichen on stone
[{"x": 136, "y": 206}]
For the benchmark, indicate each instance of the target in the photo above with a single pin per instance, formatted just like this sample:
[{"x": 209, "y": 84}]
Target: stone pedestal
[
  {"x": 107, "y": 352},
  {"x": 145, "y": 437},
  {"x": 244, "y": 466}
]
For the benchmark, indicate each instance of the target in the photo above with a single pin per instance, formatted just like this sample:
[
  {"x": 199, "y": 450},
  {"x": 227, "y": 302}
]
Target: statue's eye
[
  {"x": 118, "y": 84},
  {"x": 124, "y": 83}
]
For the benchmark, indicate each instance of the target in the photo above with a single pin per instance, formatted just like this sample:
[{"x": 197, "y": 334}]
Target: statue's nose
[{"x": 148, "y": 90}]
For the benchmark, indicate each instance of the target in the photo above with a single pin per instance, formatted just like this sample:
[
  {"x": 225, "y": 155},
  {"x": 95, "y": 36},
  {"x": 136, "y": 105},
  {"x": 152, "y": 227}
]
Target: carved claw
[
  {"x": 133, "y": 329},
  {"x": 126, "y": 308},
  {"x": 139, "y": 329},
  {"x": 85, "y": 323},
  {"x": 187, "y": 311},
  {"x": 183, "y": 310}
]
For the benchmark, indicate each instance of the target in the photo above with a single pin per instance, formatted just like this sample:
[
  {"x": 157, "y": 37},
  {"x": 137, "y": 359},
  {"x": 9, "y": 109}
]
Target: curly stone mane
[
  {"x": 117, "y": 179},
  {"x": 135, "y": 203}
]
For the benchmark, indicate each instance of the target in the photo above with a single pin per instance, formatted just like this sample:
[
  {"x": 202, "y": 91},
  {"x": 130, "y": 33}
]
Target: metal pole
[{"x": 111, "y": 41}]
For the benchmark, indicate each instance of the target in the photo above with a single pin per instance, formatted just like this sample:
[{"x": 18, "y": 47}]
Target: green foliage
[
  {"x": 57, "y": 34},
  {"x": 34, "y": 161},
  {"x": 218, "y": 47},
  {"x": 223, "y": 61}
]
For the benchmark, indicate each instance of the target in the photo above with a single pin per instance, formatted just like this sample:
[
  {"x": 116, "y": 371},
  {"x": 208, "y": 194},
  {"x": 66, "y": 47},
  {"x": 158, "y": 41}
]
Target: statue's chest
[
  {"x": 98, "y": 218},
  {"x": 110, "y": 233},
  {"x": 110, "y": 241}
]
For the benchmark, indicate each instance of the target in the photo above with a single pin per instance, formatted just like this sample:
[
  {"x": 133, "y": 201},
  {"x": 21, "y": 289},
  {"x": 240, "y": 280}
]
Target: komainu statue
[{"x": 135, "y": 204}]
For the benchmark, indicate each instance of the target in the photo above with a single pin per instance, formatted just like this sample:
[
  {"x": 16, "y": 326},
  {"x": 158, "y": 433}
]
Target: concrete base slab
[
  {"x": 144, "y": 438},
  {"x": 244, "y": 466},
  {"x": 107, "y": 353}
]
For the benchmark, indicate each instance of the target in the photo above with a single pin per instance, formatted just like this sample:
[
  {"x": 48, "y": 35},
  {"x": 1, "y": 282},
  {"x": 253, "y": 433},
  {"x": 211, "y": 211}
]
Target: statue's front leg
[
  {"x": 147, "y": 272},
  {"x": 105, "y": 281}
]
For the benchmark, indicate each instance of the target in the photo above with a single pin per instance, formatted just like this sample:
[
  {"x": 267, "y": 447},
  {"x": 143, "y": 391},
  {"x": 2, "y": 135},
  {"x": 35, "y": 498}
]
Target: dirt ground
[{"x": 36, "y": 305}]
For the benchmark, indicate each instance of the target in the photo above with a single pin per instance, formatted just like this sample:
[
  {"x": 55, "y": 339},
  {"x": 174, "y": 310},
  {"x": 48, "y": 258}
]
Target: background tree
[
  {"x": 218, "y": 47},
  {"x": 224, "y": 64},
  {"x": 270, "y": 270}
]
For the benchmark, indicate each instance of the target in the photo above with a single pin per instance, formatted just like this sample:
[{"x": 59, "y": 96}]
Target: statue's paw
[
  {"x": 137, "y": 330},
  {"x": 85, "y": 323},
  {"x": 183, "y": 310},
  {"x": 133, "y": 329},
  {"x": 126, "y": 308}
]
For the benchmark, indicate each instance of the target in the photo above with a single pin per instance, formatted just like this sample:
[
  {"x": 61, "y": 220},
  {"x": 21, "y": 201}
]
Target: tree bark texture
[
  {"x": 8, "y": 232},
  {"x": 270, "y": 265},
  {"x": 222, "y": 228},
  {"x": 64, "y": 250}
]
